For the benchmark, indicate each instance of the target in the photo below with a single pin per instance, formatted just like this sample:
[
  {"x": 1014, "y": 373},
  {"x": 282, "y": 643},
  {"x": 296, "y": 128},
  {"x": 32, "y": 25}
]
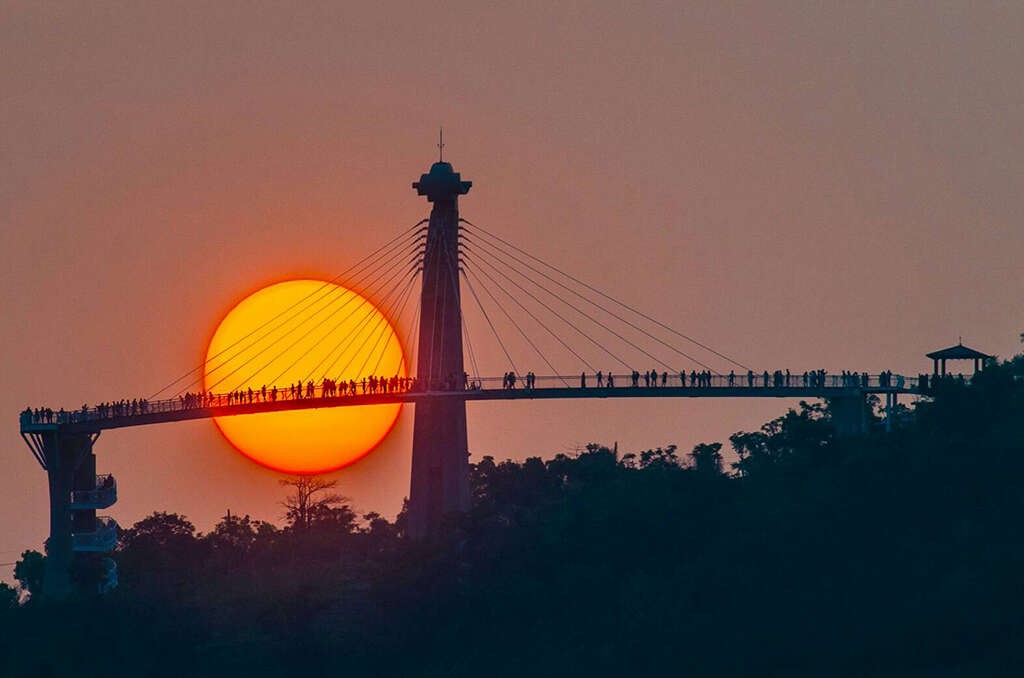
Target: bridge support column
[
  {"x": 890, "y": 404},
  {"x": 849, "y": 414},
  {"x": 70, "y": 465},
  {"x": 440, "y": 453}
]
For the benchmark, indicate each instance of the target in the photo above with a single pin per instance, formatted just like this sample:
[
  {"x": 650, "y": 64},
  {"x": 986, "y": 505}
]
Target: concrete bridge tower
[{"x": 440, "y": 454}]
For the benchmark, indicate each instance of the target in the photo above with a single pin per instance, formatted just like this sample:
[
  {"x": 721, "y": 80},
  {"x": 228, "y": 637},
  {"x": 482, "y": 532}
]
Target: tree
[
  {"x": 8, "y": 597},
  {"x": 233, "y": 534},
  {"x": 161, "y": 528},
  {"x": 595, "y": 463},
  {"x": 29, "y": 572},
  {"x": 795, "y": 436},
  {"x": 707, "y": 458},
  {"x": 159, "y": 552},
  {"x": 374, "y": 522},
  {"x": 659, "y": 458},
  {"x": 310, "y": 501}
]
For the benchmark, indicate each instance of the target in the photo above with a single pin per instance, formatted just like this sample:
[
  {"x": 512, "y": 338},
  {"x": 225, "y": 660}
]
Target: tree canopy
[{"x": 810, "y": 554}]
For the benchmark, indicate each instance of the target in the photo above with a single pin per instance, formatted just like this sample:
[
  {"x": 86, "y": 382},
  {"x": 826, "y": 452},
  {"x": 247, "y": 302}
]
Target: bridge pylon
[
  {"x": 77, "y": 534},
  {"x": 440, "y": 452}
]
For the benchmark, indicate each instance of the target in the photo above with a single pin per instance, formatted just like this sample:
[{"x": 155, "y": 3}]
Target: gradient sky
[{"x": 800, "y": 185}]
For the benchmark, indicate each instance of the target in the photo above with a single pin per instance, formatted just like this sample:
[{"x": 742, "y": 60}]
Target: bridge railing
[
  {"x": 691, "y": 380},
  {"x": 102, "y": 540},
  {"x": 697, "y": 381},
  {"x": 102, "y": 495}
]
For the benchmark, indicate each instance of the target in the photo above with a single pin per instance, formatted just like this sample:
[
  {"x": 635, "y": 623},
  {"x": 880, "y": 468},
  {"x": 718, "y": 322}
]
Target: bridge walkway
[{"x": 198, "y": 406}]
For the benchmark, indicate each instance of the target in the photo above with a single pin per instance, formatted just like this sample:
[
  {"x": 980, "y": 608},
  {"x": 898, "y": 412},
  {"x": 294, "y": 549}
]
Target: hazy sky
[{"x": 800, "y": 185}]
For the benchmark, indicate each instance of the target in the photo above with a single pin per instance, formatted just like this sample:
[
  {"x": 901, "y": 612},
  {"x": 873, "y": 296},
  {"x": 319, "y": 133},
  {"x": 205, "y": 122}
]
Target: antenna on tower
[{"x": 440, "y": 145}]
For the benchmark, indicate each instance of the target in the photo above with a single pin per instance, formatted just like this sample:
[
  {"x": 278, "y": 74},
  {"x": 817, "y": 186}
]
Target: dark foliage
[
  {"x": 8, "y": 598},
  {"x": 29, "y": 572},
  {"x": 885, "y": 555}
]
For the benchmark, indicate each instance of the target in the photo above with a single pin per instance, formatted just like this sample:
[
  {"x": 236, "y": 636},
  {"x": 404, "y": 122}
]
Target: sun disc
[{"x": 295, "y": 332}]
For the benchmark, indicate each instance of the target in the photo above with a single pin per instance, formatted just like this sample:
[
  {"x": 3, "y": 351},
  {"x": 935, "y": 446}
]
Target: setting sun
[{"x": 292, "y": 333}]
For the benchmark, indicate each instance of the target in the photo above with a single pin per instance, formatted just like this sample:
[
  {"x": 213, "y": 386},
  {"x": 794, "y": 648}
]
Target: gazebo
[{"x": 958, "y": 352}]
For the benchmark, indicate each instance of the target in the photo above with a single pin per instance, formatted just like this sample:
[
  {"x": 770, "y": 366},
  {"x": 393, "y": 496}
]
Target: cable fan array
[
  {"x": 560, "y": 321},
  {"x": 329, "y": 339}
]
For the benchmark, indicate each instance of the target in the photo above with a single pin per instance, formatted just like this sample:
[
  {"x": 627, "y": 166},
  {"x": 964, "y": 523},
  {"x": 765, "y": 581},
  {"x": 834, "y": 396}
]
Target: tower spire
[
  {"x": 440, "y": 453},
  {"x": 440, "y": 145}
]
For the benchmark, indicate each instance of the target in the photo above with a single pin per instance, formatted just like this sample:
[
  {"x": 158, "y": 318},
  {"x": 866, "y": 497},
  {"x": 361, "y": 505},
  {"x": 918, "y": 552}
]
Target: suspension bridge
[{"x": 534, "y": 312}]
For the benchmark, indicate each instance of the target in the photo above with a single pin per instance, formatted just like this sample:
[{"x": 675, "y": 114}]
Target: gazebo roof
[{"x": 959, "y": 352}]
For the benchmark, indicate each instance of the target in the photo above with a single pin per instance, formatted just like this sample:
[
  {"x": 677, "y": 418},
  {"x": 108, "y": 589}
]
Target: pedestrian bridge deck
[{"x": 546, "y": 388}]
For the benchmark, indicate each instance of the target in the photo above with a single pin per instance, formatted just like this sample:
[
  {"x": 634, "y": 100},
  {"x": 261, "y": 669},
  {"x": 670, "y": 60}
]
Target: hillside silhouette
[{"x": 887, "y": 554}]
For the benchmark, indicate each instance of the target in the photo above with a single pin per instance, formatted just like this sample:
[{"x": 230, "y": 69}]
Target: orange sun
[{"x": 301, "y": 331}]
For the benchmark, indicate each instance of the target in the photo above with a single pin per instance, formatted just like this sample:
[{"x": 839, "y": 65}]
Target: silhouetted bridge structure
[
  {"x": 550, "y": 387},
  {"x": 512, "y": 289}
]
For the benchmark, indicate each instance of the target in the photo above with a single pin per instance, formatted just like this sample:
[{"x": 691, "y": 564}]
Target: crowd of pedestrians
[
  {"x": 327, "y": 388},
  {"x": 105, "y": 410},
  {"x": 765, "y": 379},
  {"x": 508, "y": 382}
]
